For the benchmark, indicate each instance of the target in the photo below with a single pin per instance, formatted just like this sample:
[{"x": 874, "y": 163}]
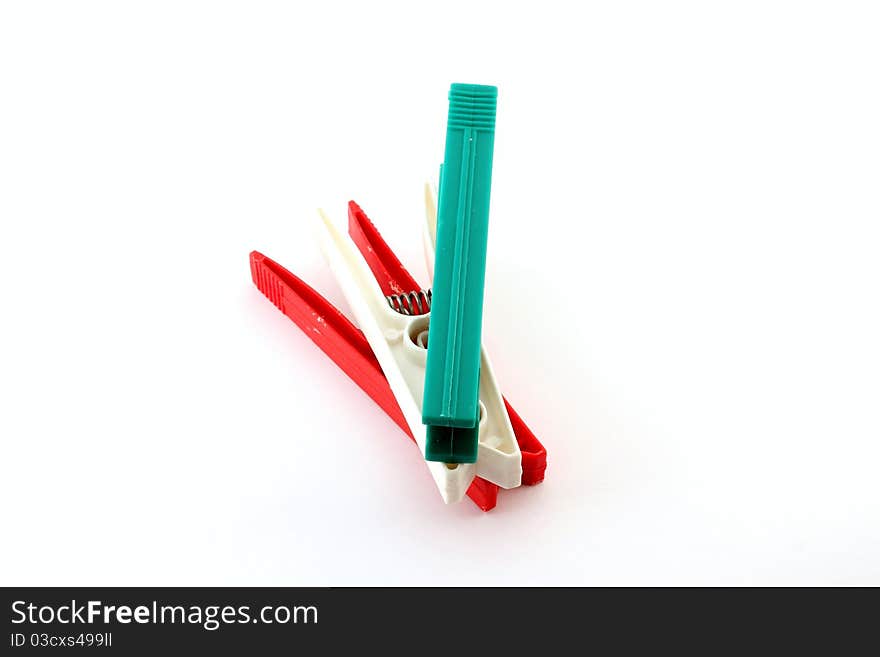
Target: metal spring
[{"x": 411, "y": 303}]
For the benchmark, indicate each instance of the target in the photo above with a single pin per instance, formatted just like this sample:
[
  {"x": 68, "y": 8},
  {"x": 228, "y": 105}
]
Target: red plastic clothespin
[{"x": 348, "y": 348}]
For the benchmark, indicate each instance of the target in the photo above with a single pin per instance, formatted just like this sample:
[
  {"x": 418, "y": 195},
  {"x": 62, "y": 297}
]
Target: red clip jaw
[{"x": 346, "y": 346}]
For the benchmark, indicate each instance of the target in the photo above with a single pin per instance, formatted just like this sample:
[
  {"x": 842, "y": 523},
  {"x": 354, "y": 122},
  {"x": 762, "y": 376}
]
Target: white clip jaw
[
  {"x": 499, "y": 459},
  {"x": 398, "y": 342}
]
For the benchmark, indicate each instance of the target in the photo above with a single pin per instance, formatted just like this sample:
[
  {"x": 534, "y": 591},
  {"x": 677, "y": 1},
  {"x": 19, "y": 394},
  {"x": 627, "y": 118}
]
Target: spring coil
[{"x": 411, "y": 303}]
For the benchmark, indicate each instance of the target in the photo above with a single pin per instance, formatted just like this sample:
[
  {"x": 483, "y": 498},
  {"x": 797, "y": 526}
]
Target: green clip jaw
[{"x": 452, "y": 378}]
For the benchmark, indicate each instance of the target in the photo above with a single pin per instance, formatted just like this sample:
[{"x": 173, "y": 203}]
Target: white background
[{"x": 682, "y": 292}]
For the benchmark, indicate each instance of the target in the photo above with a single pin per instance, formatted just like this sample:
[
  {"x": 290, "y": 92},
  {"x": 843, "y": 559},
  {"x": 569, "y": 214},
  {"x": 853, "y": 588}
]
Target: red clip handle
[{"x": 346, "y": 346}]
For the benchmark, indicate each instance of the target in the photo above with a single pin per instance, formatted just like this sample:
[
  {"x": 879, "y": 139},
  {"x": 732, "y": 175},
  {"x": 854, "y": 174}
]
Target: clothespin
[
  {"x": 334, "y": 334},
  {"x": 451, "y": 390}
]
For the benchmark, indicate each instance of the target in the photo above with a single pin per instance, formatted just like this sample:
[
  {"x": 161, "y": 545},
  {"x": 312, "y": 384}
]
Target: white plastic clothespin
[
  {"x": 498, "y": 447},
  {"x": 398, "y": 342}
]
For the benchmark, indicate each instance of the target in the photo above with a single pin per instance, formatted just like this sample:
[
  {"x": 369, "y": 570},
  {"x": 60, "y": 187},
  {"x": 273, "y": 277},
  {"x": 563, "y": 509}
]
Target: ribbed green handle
[{"x": 451, "y": 399}]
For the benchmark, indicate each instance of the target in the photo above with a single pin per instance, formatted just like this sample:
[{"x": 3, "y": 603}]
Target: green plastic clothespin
[{"x": 450, "y": 406}]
